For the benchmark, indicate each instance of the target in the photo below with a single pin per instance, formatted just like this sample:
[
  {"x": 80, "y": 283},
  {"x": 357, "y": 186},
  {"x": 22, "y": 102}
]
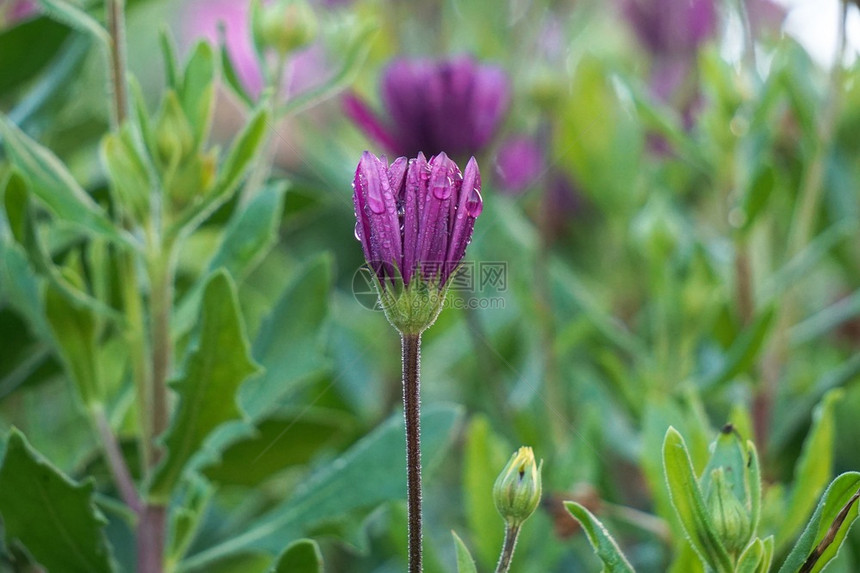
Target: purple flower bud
[
  {"x": 415, "y": 219},
  {"x": 454, "y": 105},
  {"x": 670, "y": 27},
  {"x": 519, "y": 163}
]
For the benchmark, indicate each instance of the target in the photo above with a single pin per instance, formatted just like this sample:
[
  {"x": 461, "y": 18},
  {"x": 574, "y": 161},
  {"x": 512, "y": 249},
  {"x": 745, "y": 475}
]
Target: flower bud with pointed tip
[
  {"x": 517, "y": 490},
  {"x": 730, "y": 518}
]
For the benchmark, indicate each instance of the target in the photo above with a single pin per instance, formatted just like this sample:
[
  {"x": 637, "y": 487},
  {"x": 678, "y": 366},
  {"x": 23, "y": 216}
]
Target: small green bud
[
  {"x": 517, "y": 490},
  {"x": 174, "y": 138},
  {"x": 286, "y": 26},
  {"x": 729, "y": 516}
]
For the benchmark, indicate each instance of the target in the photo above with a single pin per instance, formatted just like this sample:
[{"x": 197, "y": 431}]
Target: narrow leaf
[
  {"x": 52, "y": 516},
  {"x": 51, "y": 182},
  {"x": 604, "y": 545},
  {"x": 229, "y": 70},
  {"x": 214, "y": 368},
  {"x": 751, "y": 558},
  {"x": 689, "y": 503},
  {"x": 839, "y": 495},
  {"x": 813, "y": 469},
  {"x": 743, "y": 351},
  {"x": 465, "y": 563},
  {"x": 198, "y": 90},
  {"x": 302, "y": 556}
]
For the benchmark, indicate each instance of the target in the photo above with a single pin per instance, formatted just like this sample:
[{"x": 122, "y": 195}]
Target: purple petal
[
  {"x": 433, "y": 226},
  {"x": 380, "y": 207},
  {"x": 519, "y": 163},
  {"x": 463, "y": 222},
  {"x": 361, "y": 114},
  {"x": 414, "y": 193},
  {"x": 490, "y": 99}
]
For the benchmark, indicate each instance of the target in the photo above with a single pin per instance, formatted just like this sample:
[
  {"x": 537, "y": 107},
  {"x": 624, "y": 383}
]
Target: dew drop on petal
[
  {"x": 475, "y": 203},
  {"x": 358, "y": 232}
]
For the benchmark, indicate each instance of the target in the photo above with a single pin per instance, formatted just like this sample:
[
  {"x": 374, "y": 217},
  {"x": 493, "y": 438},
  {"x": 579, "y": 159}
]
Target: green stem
[
  {"x": 411, "y": 353},
  {"x": 512, "y": 532},
  {"x": 115, "y": 16},
  {"x": 115, "y": 460}
]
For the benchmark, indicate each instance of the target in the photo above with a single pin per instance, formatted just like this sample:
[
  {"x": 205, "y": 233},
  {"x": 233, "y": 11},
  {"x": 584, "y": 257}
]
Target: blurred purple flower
[
  {"x": 415, "y": 217},
  {"x": 519, "y": 163},
  {"x": 12, "y": 12},
  {"x": 452, "y": 105},
  {"x": 202, "y": 19},
  {"x": 671, "y": 27}
]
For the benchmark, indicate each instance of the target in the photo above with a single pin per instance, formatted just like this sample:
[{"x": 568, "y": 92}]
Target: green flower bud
[
  {"x": 285, "y": 26},
  {"x": 174, "y": 138},
  {"x": 517, "y": 490},
  {"x": 730, "y": 518},
  {"x": 412, "y": 309}
]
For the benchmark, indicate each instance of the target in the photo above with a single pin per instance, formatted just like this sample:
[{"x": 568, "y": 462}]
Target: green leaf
[
  {"x": 171, "y": 61},
  {"x": 465, "y": 563},
  {"x": 751, "y": 559},
  {"x": 214, "y": 368},
  {"x": 278, "y": 442},
  {"x": 21, "y": 59},
  {"x": 289, "y": 344},
  {"x": 51, "y": 182},
  {"x": 760, "y": 189},
  {"x": 229, "y": 70},
  {"x": 813, "y": 469},
  {"x": 240, "y": 157},
  {"x": 198, "y": 90},
  {"x": 372, "y": 471},
  {"x": 52, "y": 516},
  {"x": 483, "y": 457},
  {"x": 604, "y": 545},
  {"x": 838, "y": 508},
  {"x": 69, "y": 14},
  {"x": 742, "y": 353},
  {"x": 689, "y": 503},
  {"x": 767, "y": 558},
  {"x": 302, "y": 556},
  {"x": 185, "y": 518},
  {"x": 75, "y": 332}
]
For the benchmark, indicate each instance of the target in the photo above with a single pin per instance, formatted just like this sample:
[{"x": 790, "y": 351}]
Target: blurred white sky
[{"x": 814, "y": 24}]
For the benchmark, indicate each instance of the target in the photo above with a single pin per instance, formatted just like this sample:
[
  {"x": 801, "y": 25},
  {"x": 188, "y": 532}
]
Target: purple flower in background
[
  {"x": 454, "y": 105},
  {"x": 202, "y": 19},
  {"x": 16, "y": 10},
  {"x": 671, "y": 27},
  {"x": 415, "y": 218},
  {"x": 519, "y": 163}
]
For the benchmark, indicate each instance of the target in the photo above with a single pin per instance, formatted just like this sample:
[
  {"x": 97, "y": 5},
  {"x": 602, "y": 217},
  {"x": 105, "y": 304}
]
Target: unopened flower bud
[
  {"x": 517, "y": 490},
  {"x": 729, "y": 516},
  {"x": 286, "y": 25},
  {"x": 174, "y": 137}
]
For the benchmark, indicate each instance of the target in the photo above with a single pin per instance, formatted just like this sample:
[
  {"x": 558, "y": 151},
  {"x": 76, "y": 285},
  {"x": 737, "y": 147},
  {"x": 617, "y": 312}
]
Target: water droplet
[
  {"x": 358, "y": 231},
  {"x": 475, "y": 203}
]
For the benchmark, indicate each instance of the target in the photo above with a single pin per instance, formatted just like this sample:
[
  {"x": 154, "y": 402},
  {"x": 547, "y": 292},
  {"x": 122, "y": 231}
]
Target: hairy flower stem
[
  {"x": 411, "y": 352},
  {"x": 512, "y": 532}
]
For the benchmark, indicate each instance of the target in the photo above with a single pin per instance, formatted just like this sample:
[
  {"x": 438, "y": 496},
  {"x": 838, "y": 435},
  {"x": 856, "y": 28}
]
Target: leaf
[
  {"x": 51, "y": 182},
  {"x": 185, "y": 518},
  {"x": 743, "y": 351},
  {"x": 689, "y": 503},
  {"x": 751, "y": 558},
  {"x": 198, "y": 89},
  {"x": 21, "y": 59},
  {"x": 229, "y": 70},
  {"x": 767, "y": 558},
  {"x": 483, "y": 457},
  {"x": 278, "y": 442},
  {"x": 74, "y": 17},
  {"x": 813, "y": 469},
  {"x": 75, "y": 332},
  {"x": 602, "y": 542},
  {"x": 760, "y": 189},
  {"x": 241, "y": 156},
  {"x": 465, "y": 563},
  {"x": 214, "y": 368},
  {"x": 171, "y": 61},
  {"x": 289, "y": 345},
  {"x": 841, "y": 494},
  {"x": 50, "y": 514},
  {"x": 372, "y": 471},
  {"x": 302, "y": 556}
]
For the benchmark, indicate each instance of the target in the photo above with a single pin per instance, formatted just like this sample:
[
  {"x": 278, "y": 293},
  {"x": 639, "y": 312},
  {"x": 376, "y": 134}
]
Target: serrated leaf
[
  {"x": 302, "y": 556},
  {"x": 240, "y": 157},
  {"x": 278, "y": 442},
  {"x": 689, "y": 504},
  {"x": 813, "y": 469},
  {"x": 604, "y": 545},
  {"x": 214, "y": 368},
  {"x": 838, "y": 502},
  {"x": 288, "y": 344},
  {"x": 372, "y": 471},
  {"x": 75, "y": 331},
  {"x": 51, "y": 182},
  {"x": 465, "y": 563},
  {"x": 751, "y": 558},
  {"x": 52, "y": 516},
  {"x": 482, "y": 457}
]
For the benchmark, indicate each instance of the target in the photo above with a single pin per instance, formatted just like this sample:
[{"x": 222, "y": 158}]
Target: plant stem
[
  {"x": 116, "y": 461},
  {"x": 411, "y": 353},
  {"x": 512, "y": 532},
  {"x": 116, "y": 28}
]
